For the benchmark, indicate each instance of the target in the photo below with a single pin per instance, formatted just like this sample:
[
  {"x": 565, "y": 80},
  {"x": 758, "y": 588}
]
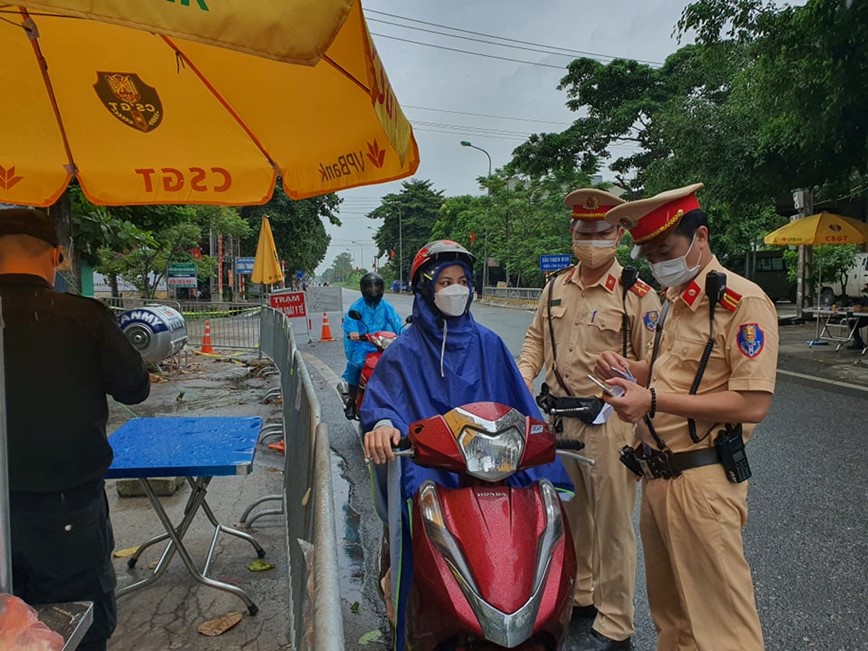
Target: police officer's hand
[
  {"x": 605, "y": 362},
  {"x": 379, "y": 443},
  {"x": 634, "y": 404},
  {"x": 354, "y": 336}
]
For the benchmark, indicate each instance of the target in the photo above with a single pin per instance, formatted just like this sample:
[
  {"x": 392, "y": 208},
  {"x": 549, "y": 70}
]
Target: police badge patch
[
  {"x": 650, "y": 320},
  {"x": 130, "y": 99},
  {"x": 750, "y": 339}
]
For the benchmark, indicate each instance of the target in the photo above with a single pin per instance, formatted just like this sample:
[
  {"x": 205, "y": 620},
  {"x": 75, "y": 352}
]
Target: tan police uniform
[
  {"x": 700, "y": 589},
  {"x": 586, "y": 321}
]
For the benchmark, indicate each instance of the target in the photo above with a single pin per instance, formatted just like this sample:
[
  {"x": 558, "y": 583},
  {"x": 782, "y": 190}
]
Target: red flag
[
  {"x": 472, "y": 238},
  {"x": 391, "y": 254}
]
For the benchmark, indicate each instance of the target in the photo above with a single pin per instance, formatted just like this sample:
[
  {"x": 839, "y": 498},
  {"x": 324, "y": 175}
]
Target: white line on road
[{"x": 814, "y": 378}]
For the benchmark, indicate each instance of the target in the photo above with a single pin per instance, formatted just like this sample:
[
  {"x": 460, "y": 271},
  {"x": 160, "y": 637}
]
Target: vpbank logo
[
  {"x": 376, "y": 155},
  {"x": 8, "y": 179}
]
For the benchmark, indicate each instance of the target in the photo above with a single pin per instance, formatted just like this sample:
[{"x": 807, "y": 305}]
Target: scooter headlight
[
  {"x": 491, "y": 457},
  {"x": 381, "y": 341}
]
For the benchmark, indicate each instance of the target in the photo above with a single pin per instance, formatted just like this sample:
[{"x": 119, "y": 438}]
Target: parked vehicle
[
  {"x": 400, "y": 287},
  {"x": 494, "y": 564},
  {"x": 768, "y": 270},
  {"x": 857, "y": 278}
]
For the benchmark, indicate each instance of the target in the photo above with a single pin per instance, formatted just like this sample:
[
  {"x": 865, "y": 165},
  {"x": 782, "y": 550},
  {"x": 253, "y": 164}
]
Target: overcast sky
[{"x": 455, "y": 84}]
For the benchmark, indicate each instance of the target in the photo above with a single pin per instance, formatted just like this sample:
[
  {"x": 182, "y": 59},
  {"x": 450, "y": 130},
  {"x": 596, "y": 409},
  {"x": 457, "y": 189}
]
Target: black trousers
[{"x": 61, "y": 551}]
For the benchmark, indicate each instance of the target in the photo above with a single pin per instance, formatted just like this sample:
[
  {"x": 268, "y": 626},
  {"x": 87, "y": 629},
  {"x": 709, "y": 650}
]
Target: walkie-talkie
[
  {"x": 715, "y": 287},
  {"x": 629, "y": 276}
]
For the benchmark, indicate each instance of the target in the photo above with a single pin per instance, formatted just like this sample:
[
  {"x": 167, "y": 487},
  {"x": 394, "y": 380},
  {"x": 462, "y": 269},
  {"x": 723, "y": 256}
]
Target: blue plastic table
[{"x": 198, "y": 449}]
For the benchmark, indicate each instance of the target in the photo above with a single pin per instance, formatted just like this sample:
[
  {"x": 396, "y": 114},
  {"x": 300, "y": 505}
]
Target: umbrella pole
[{"x": 5, "y": 537}]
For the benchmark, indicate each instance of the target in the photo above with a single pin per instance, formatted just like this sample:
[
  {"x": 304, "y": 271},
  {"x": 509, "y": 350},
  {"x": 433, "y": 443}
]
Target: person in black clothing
[
  {"x": 860, "y": 305},
  {"x": 63, "y": 354}
]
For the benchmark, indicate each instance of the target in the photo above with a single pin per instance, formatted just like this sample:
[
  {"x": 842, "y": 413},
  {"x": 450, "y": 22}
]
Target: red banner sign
[{"x": 291, "y": 304}]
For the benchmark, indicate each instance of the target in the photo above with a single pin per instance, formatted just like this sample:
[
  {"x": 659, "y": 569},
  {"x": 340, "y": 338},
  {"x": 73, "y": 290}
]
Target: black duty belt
[
  {"x": 585, "y": 409},
  {"x": 666, "y": 464}
]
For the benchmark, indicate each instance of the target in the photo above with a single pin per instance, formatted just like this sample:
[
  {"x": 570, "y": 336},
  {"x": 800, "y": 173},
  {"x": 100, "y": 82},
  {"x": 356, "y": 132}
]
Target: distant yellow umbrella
[
  {"x": 266, "y": 265},
  {"x": 194, "y": 102},
  {"x": 822, "y": 228}
]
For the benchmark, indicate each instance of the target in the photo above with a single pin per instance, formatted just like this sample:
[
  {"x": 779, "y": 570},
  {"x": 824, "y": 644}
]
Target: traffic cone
[
  {"x": 206, "y": 339},
  {"x": 326, "y": 334}
]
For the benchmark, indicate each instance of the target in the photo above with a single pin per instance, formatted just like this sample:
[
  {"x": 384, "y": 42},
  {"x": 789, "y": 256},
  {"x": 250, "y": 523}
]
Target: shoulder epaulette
[
  {"x": 730, "y": 300},
  {"x": 640, "y": 288},
  {"x": 568, "y": 270}
]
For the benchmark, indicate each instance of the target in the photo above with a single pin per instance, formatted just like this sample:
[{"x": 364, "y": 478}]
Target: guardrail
[
  {"x": 521, "y": 297},
  {"x": 314, "y": 615}
]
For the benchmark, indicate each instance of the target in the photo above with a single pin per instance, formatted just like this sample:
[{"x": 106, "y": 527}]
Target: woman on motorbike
[
  {"x": 443, "y": 361},
  {"x": 377, "y": 314}
]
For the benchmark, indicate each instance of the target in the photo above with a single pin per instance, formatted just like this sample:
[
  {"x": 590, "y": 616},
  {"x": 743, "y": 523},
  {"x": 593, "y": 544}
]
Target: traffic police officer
[
  {"x": 581, "y": 314},
  {"x": 709, "y": 378}
]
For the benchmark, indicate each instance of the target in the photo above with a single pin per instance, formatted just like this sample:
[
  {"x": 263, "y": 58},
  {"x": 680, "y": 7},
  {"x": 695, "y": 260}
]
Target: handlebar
[{"x": 574, "y": 445}]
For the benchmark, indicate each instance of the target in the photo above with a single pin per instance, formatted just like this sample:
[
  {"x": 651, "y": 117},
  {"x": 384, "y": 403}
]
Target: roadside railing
[
  {"x": 314, "y": 590},
  {"x": 522, "y": 297}
]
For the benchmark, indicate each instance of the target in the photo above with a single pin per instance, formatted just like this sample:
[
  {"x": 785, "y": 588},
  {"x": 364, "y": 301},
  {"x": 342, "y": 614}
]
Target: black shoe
[
  {"x": 593, "y": 641},
  {"x": 856, "y": 345},
  {"x": 584, "y": 612}
]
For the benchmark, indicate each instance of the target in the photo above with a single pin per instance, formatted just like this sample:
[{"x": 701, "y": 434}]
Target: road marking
[
  {"x": 814, "y": 378},
  {"x": 329, "y": 375}
]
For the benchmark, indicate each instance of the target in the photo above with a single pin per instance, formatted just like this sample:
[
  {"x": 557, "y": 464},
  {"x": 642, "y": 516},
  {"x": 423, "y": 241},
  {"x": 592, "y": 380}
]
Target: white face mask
[
  {"x": 675, "y": 272},
  {"x": 452, "y": 300}
]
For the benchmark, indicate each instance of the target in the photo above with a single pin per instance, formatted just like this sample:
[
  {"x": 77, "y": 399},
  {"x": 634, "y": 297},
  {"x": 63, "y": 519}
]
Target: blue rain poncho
[
  {"x": 407, "y": 386},
  {"x": 374, "y": 319}
]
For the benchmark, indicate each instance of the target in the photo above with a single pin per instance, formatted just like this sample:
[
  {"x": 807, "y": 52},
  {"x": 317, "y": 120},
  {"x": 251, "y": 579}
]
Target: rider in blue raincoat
[
  {"x": 377, "y": 315},
  {"x": 444, "y": 360}
]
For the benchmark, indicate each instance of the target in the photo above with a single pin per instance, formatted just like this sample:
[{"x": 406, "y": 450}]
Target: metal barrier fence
[
  {"x": 315, "y": 615},
  {"x": 523, "y": 297},
  {"x": 233, "y": 326}
]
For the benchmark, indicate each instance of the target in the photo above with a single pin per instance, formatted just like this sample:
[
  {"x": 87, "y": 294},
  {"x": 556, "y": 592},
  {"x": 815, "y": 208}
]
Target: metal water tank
[{"x": 156, "y": 331}]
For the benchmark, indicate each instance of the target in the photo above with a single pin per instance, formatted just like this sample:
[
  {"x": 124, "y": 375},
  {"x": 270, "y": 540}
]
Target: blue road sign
[
  {"x": 299, "y": 273},
  {"x": 554, "y": 262},
  {"x": 244, "y": 266}
]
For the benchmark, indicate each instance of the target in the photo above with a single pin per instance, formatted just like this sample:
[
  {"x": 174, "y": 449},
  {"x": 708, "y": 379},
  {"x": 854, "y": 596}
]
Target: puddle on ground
[{"x": 351, "y": 555}]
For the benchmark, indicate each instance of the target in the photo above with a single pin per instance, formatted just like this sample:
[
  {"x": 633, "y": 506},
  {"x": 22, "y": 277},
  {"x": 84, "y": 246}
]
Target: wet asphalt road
[{"x": 806, "y": 539}]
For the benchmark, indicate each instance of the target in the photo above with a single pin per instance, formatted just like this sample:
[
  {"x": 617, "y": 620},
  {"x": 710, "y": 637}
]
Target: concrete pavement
[{"x": 165, "y": 615}]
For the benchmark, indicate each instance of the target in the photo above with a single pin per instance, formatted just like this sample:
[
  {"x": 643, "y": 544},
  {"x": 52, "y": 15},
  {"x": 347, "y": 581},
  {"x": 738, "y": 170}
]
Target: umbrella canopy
[
  {"x": 141, "y": 113},
  {"x": 266, "y": 266},
  {"x": 822, "y": 228}
]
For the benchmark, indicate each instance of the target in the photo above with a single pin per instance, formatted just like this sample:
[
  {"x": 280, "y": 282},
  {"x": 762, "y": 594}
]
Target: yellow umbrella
[
  {"x": 266, "y": 266},
  {"x": 139, "y": 112},
  {"x": 822, "y": 228}
]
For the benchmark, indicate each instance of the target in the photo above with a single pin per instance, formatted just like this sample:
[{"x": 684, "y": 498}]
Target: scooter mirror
[{"x": 355, "y": 315}]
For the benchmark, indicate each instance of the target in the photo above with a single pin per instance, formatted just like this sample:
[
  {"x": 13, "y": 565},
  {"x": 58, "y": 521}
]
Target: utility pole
[
  {"x": 804, "y": 203},
  {"x": 467, "y": 143},
  {"x": 400, "y": 249}
]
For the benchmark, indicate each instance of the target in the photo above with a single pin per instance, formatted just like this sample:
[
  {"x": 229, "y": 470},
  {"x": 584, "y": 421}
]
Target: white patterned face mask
[{"x": 452, "y": 300}]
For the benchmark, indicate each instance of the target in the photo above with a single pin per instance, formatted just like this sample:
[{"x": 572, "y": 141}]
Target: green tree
[
  {"x": 408, "y": 217},
  {"x": 803, "y": 86},
  {"x": 341, "y": 269},
  {"x": 297, "y": 226}
]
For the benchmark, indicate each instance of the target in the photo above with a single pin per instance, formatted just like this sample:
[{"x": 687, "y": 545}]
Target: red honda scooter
[
  {"x": 494, "y": 565},
  {"x": 381, "y": 340}
]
